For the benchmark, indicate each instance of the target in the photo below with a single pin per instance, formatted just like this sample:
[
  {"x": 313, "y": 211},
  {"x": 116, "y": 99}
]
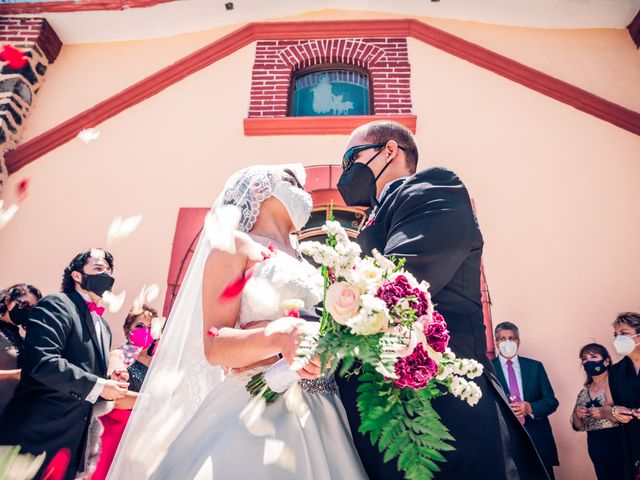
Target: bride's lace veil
[{"x": 180, "y": 377}]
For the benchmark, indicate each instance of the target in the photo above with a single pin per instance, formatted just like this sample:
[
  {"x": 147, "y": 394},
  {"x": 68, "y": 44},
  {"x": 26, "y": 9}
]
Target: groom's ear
[{"x": 391, "y": 149}]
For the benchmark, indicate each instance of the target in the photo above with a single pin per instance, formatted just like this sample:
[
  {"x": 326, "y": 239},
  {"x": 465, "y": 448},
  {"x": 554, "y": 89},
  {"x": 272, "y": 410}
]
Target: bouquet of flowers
[{"x": 379, "y": 322}]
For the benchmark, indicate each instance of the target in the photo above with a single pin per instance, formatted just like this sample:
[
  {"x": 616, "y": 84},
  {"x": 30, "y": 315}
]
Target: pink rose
[{"x": 343, "y": 301}]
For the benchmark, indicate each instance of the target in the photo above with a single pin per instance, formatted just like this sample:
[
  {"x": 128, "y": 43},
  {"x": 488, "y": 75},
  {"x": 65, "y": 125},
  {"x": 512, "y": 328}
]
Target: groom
[
  {"x": 65, "y": 366},
  {"x": 427, "y": 218}
]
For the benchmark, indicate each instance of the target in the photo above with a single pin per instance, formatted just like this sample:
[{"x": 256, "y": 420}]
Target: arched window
[{"x": 324, "y": 90}]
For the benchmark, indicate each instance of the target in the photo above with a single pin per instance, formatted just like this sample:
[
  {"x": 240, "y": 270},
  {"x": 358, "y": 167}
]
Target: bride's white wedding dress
[{"x": 216, "y": 445}]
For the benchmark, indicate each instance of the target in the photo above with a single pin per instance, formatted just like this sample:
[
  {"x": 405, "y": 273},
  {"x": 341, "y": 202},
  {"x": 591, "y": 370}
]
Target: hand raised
[{"x": 114, "y": 389}]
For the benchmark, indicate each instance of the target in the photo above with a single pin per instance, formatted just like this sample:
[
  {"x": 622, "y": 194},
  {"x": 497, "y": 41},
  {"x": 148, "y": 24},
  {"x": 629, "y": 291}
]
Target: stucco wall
[{"x": 555, "y": 189}]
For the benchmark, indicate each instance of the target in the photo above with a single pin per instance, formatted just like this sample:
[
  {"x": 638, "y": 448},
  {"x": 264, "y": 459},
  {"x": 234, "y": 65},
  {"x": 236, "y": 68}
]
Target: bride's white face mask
[{"x": 297, "y": 202}]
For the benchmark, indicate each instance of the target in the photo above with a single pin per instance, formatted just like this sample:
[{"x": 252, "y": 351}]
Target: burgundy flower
[
  {"x": 437, "y": 334},
  {"x": 393, "y": 292},
  {"x": 420, "y": 304},
  {"x": 437, "y": 318},
  {"x": 416, "y": 370}
]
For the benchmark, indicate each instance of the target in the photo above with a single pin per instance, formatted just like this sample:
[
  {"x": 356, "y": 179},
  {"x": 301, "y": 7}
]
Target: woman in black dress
[
  {"x": 15, "y": 304},
  {"x": 623, "y": 398},
  {"x": 604, "y": 437}
]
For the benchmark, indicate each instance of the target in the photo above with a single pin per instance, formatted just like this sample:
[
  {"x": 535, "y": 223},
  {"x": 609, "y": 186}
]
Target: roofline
[{"x": 529, "y": 77}]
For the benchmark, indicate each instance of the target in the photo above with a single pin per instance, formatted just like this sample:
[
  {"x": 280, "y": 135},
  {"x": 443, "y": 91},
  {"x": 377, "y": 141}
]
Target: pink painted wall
[{"x": 556, "y": 189}]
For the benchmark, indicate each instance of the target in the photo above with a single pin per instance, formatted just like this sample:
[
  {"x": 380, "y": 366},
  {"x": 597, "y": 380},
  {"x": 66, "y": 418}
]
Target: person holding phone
[{"x": 604, "y": 437}]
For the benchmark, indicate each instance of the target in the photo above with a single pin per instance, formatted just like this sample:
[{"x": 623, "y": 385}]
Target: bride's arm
[{"x": 233, "y": 348}]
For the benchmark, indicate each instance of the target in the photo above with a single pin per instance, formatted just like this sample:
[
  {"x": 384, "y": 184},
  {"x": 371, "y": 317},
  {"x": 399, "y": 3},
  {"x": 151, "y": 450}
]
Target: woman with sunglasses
[{"x": 15, "y": 304}]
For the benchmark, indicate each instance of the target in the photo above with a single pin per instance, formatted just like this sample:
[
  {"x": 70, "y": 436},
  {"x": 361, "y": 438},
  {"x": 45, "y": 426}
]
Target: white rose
[
  {"x": 368, "y": 323},
  {"x": 373, "y": 318},
  {"x": 343, "y": 301}
]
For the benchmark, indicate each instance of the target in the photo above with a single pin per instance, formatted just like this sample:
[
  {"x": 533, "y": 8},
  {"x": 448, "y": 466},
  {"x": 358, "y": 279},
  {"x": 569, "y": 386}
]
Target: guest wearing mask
[
  {"x": 605, "y": 438},
  {"x": 65, "y": 367},
  {"x": 623, "y": 397},
  {"x": 529, "y": 391},
  {"x": 136, "y": 320},
  {"x": 15, "y": 304},
  {"x": 137, "y": 327}
]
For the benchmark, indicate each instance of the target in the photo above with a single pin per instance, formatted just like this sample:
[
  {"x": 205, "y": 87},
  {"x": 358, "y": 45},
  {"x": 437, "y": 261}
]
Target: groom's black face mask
[
  {"x": 357, "y": 184},
  {"x": 98, "y": 283}
]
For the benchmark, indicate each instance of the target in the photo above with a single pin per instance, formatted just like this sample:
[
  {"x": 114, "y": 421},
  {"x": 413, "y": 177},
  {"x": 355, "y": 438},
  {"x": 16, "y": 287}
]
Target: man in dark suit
[
  {"x": 65, "y": 366},
  {"x": 526, "y": 384},
  {"x": 427, "y": 218}
]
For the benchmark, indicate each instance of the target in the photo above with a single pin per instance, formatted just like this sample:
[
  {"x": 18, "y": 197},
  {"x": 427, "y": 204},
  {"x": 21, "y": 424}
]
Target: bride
[{"x": 187, "y": 422}]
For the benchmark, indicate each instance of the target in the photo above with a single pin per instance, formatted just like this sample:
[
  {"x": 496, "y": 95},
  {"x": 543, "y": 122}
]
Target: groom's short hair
[{"x": 384, "y": 130}]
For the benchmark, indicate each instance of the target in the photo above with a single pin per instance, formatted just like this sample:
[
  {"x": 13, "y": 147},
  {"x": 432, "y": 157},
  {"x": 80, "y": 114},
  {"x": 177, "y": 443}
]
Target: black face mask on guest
[
  {"x": 19, "y": 315},
  {"x": 97, "y": 283},
  {"x": 357, "y": 184}
]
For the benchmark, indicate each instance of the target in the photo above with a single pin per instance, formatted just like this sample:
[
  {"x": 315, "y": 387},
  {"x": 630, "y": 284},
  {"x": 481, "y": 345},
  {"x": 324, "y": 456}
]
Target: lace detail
[{"x": 279, "y": 278}]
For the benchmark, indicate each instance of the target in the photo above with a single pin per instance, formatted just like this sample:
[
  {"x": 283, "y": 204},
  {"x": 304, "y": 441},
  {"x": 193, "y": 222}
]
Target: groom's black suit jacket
[
  {"x": 63, "y": 359},
  {"x": 428, "y": 219}
]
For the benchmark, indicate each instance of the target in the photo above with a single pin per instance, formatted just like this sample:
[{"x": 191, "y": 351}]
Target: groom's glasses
[{"x": 351, "y": 155}]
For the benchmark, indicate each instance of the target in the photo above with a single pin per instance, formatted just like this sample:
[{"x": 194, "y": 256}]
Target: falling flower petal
[
  {"x": 220, "y": 226},
  {"x": 22, "y": 189},
  {"x": 251, "y": 417},
  {"x": 276, "y": 452},
  {"x": 213, "y": 332},
  {"x": 14, "y": 57},
  {"x": 152, "y": 292},
  {"x": 97, "y": 253},
  {"x": 114, "y": 302},
  {"x": 283, "y": 325},
  {"x": 157, "y": 324},
  {"x": 88, "y": 135},
  {"x": 235, "y": 288},
  {"x": 295, "y": 403},
  {"x": 6, "y": 215},
  {"x": 121, "y": 228}
]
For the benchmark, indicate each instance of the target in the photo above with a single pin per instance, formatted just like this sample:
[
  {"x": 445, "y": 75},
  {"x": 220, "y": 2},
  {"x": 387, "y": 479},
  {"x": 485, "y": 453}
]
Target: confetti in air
[
  {"x": 89, "y": 135},
  {"x": 22, "y": 189},
  {"x": 121, "y": 228},
  {"x": 220, "y": 226},
  {"x": 7, "y": 214},
  {"x": 147, "y": 295},
  {"x": 97, "y": 253},
  {"x": 14, "y": 57},
  {"x": 114, "y": 301}
]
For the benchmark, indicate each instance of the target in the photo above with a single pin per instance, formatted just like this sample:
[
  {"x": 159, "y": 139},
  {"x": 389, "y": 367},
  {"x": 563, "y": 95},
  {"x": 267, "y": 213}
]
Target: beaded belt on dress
[{"x": 319, "y": 385}]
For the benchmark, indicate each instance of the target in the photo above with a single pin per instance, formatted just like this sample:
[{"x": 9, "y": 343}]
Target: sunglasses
[
  {"x": 22, "y": 304},
  {"x": 351, "y": 155}
]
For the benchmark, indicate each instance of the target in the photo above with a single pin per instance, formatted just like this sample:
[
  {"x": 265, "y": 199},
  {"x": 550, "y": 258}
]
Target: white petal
[
  {"x": 97, "y": 253},
  {"x": 157, "y": 324},
  {"x": 381, "y": 369},
  {"x": 121, "y": 228},
  {"x": 220, "y": 225},
  {"x": 153, "y": 291},
  {"x": 6, "y": 215},
  {"x": 88, "y": 135},
  {"x": 283, "y": 325},
  {"x": 294, "y": 402},
  {"x": 114, "y": 302},
  {"x": 252, "y": 419}
]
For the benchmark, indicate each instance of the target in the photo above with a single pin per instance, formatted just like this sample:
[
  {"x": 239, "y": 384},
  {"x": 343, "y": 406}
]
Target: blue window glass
[{"x": 330, "y": 92}]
